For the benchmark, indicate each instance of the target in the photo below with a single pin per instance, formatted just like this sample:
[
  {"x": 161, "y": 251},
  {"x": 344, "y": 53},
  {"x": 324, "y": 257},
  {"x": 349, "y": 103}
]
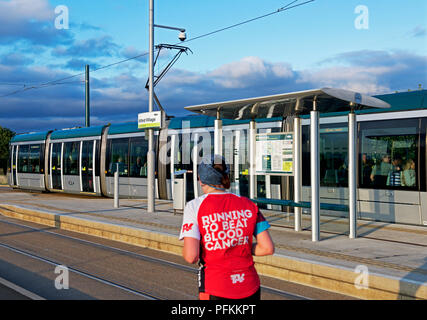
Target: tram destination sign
[
  {"x": 148, "y": 120},
  {"x": 275, "y": 153}
]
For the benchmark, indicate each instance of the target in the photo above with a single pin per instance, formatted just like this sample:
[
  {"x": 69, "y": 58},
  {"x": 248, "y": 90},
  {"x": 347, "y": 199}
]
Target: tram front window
[
  {"x": 23, "y": 155},
  {"x": 388, "y": 154}
]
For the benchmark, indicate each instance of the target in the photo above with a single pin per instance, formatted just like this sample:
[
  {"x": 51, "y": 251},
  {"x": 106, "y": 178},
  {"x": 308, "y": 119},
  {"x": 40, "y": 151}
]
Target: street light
[{"x": 150, "y": 154}]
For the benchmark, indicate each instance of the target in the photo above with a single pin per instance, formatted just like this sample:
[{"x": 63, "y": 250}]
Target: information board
[{"x": 275, "y": 153}]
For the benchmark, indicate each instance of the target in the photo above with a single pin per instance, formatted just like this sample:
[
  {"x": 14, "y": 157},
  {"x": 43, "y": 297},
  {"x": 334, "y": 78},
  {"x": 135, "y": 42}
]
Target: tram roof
[
  {"x": 27, "y": 137},
  {"x": 287, "y": 104},
  {"x": 77, "y": 133}
]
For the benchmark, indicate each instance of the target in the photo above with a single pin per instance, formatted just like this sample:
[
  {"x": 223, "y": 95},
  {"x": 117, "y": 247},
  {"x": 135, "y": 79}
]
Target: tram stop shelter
[{"x": 295, "y": 104}]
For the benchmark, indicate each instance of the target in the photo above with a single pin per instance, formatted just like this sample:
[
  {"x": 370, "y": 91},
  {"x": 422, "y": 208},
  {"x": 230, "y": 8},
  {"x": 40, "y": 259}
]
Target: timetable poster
[{"x": 275, "y": 153}]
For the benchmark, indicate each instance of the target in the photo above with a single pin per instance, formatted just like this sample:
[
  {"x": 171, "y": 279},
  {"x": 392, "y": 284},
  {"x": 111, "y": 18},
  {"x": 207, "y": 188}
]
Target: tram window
[
  {"x": 34, "y": 158},
  {"x": 118, "y": 154},
  {"x": 23, "y": 153},
  {"x": 388, "y": 154},
  {"x": 138, "y": 157},
  {"x": 71, "y": 158}
]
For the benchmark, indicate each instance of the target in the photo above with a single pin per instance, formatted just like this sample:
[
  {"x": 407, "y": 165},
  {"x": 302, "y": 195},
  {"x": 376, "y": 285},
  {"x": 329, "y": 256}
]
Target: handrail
[{"x": 301, "y": 204}]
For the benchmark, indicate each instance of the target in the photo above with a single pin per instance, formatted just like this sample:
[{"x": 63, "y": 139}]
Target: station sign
[
  {"x": 275, "y": 153},
  {"x": 147, "y": 120}
]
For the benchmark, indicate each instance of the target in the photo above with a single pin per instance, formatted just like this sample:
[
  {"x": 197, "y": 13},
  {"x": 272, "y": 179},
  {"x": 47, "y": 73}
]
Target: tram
[{"x": 84, "y": 160}]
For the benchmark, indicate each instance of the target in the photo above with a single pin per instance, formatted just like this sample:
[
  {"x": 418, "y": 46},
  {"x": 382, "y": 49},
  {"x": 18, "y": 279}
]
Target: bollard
[{"x": 116, "y": 187}]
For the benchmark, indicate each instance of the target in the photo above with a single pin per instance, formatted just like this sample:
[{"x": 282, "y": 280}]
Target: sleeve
[
  {"x": 190, "y": 226},
  {"x": 261, "y": 224}
]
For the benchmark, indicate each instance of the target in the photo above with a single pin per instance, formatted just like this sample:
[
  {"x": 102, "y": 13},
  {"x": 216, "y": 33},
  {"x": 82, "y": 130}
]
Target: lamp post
[
  {"x": 150, "y": 132},
  {"x": 150, "y": 153}
]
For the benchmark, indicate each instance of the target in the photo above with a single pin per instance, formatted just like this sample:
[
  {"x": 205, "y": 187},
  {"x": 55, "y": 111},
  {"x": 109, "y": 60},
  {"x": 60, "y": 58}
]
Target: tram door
[
  {"x": 13, "y": 165},
  {"x": 56, "y": 166},
  {"x": 87, "y": 155}
]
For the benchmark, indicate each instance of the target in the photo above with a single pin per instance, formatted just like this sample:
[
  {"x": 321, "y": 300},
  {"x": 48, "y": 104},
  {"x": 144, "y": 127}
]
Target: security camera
[{"x": 182, "y": 36}]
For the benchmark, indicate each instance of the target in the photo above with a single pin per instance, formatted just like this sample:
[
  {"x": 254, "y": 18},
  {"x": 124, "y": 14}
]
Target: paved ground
[{"x": 398, "y": 252}]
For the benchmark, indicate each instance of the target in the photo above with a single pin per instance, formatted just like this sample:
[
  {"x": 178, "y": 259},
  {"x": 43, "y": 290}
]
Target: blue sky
[{"x": 314, "y": 45}]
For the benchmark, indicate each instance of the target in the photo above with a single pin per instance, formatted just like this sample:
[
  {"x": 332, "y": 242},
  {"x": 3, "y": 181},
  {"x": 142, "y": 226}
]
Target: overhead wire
[{"x": 289, "y": 6}]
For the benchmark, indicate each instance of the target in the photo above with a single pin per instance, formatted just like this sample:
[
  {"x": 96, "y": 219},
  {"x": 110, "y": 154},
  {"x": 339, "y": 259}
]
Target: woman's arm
[
  {"x": 191, "y": 249},
  {"x": 264, "y": 244}
]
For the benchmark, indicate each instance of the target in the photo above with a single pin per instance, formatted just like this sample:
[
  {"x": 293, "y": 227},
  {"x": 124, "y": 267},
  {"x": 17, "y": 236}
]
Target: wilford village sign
[{"x": 150, "y": 120}]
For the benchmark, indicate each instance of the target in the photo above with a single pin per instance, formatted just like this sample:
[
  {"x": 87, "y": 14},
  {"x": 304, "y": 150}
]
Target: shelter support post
[
  {"x": 195, "y": 164},
  {"x": 352, "y": 191},
  {"x": 315, "y": 173},
  {"x": 218, "y": 134},
  {"x": 116, "y": 187},
  {"x": 298, "y": 171},
  {"x": 151, "y": 154},
  {"x": 252, "y": 159}
]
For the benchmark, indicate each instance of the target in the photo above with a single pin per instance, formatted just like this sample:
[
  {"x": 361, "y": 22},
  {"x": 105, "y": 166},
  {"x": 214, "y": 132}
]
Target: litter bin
[{"x": 179, "y": 190}]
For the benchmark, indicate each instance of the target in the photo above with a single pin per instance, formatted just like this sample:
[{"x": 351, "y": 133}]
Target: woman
[
  {"x": 217, "y": 229},
  {"x": 408, "y": 177}
]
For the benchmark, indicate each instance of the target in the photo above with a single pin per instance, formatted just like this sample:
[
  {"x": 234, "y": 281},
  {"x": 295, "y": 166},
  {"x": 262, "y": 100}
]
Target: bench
[{"x": 301, "y": 204}]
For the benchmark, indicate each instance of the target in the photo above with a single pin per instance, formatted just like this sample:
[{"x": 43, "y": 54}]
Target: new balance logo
[
  {"x": 187, "y": 227},
  {"x": 237, "y": 278}
]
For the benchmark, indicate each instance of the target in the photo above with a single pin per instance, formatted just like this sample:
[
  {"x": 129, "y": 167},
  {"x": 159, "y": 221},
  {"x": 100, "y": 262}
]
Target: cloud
[
  {"x": 131, "y": 52},
  {"x": 14, "y": 58},
  {"x": 120, "y": 96},
  {"x": 95, "y": 47},
  {"x": 249, "y": 71},
  {"x": 418, "y": 32},
  {"x": 30, "y": 21},
  {"x": 20, "y": 10},
  {"x": 370, "y": 71},
  {"x": 79, "y": 64}
]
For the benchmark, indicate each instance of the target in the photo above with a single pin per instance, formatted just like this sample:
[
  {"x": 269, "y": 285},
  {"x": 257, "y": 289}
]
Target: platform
[{"x": 386, "y": 261}]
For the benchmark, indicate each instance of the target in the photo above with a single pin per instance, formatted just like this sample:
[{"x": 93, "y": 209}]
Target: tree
[{"x": 5, "y": 136}]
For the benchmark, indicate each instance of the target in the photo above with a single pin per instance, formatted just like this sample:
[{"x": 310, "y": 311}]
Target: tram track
[
  {"x": 82, "y": 273},
  {"x": 139, "y": 256}
]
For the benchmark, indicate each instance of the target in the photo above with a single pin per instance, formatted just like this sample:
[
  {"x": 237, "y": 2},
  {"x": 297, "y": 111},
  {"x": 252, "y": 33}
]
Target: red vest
[{"x": 226, "y": 223}]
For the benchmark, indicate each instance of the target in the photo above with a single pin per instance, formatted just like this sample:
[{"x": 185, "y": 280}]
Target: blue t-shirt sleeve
[{"x": 261, "y": 224}]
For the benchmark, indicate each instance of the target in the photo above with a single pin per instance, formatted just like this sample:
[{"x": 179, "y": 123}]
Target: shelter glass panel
[
  {"x": 388, "y": 157},
  {"x": 244, "y": 163},
  {"x": 333, "y": 150}
]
